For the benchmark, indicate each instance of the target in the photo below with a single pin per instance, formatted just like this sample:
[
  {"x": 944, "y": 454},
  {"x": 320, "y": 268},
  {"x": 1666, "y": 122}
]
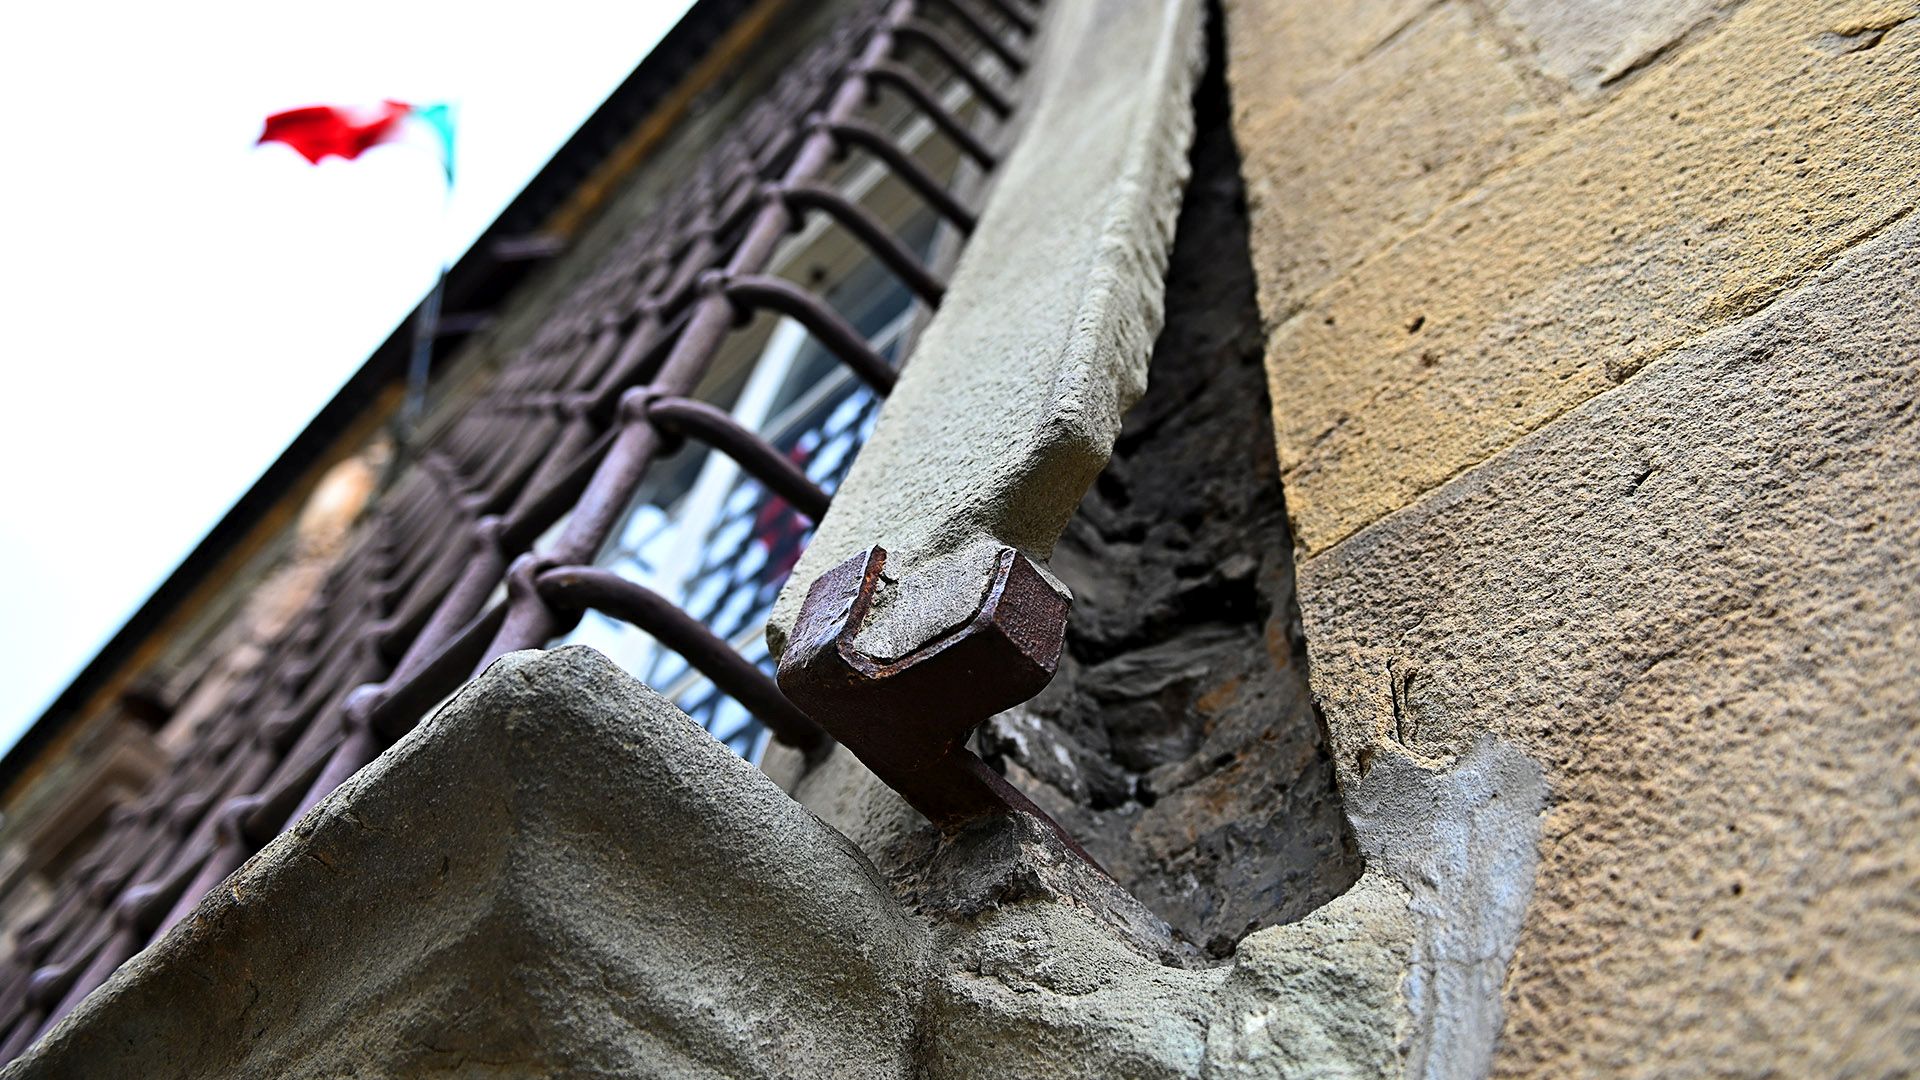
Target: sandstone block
[
  {"x": 1712, "y": 184},
  {"x": 557, "y": 874},
  {"x": 1695, "y": 602},
  {"x": 1286, "y": 50},
  {"x": 1346, "y": 168}
]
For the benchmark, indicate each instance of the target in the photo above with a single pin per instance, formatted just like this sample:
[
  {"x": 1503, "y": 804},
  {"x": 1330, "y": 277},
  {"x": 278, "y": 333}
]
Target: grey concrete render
[
  {"x": 1455, "y": 846},
  {"x": 1016, "y": 390}
]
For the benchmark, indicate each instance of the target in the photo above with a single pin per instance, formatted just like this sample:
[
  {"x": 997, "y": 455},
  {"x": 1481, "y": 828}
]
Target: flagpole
[
  {"x": 426, "y": 327},
  {"x": 426, "y": 324},
  {"x": 317, "y": 132}
]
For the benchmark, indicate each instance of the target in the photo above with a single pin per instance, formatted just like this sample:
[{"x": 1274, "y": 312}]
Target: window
[{"x": 710, "y": 538}]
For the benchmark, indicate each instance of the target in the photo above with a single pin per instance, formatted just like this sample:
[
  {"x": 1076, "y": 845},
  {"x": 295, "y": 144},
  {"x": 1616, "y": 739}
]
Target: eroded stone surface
[
  {"x": 1338, "y": 171},
  {"x": 1695, "y": 602},
  {"x": 1004, "y": 862},
  {"x": 1595, "y": 43},
  {"x": 561, "y": 875},
  {"x": 523, "y": 886},
  {"x": 1315, "y": 44},
  {"x": 846, "y": 795},
  {"x": 1343, "y": 1015}
]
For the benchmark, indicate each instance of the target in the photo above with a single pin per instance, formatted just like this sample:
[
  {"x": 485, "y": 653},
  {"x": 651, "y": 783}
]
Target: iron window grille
[{"x": 517, "y": 516}]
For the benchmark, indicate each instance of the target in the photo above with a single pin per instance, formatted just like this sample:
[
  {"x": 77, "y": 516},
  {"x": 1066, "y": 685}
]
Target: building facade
[{"x": 1474, "y": 443}]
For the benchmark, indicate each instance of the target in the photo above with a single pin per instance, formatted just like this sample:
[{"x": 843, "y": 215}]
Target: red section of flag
[{"x": 318, "y": 130}]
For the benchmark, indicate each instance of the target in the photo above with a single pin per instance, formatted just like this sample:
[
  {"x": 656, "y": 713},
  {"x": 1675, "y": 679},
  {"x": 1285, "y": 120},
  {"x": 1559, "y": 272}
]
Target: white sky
[{"x": 176, "y": 305}]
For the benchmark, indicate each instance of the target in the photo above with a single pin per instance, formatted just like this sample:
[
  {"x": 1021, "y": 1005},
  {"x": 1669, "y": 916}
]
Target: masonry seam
[{"x": 1785, "y": 293}]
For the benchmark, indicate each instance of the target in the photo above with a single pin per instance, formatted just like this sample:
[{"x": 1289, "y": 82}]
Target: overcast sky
[{"x": 175, "y": 305}]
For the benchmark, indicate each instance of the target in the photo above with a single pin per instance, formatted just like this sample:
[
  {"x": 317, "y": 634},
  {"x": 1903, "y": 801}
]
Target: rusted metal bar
[
  {"x": 881, "y": 145},
  {"x": 530, "y": 622},
  {"x": 905, "y": 80},
  {"x": 1015, "y": 60},
  {"x": 1004, "y": 653},
  {"x": 897, "y": 256},
  {"x": 931, "y": 39},
  {"x": 583, "y": 587},
  {"x": 1017, "y": 12},
  {"x": 394, "y": 712},
  {"x": 139, "y": 901},
  {"x": 757, "y": 291},
  {"x": 718, "y": 429},
  {"x": 527, "y": 522},
  {"x": 238, "y": 833},
  {"x": 362, "y": 741}
]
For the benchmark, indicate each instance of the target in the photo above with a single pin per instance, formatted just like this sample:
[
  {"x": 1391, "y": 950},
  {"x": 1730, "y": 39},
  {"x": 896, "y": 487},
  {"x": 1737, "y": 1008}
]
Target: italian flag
[{"x": 347, "y": 131}]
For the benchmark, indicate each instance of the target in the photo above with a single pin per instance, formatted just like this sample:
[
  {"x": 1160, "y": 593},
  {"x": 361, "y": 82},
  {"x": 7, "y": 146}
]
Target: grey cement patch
[{"x": 1462, "y": 842}]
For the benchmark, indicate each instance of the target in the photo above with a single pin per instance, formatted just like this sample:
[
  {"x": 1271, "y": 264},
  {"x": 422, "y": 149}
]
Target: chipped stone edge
[
  {"x": 1024, "y": 473},
  {"x": 346, "y": 936}
]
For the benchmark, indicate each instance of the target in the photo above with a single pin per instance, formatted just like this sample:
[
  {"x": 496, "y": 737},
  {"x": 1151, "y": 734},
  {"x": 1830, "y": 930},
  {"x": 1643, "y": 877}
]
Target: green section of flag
[{"x": 440, "y": 119}]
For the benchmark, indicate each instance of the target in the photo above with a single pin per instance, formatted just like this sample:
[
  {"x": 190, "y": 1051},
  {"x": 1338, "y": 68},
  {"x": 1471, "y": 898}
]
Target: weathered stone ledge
[{"x": 560, "y": 874}]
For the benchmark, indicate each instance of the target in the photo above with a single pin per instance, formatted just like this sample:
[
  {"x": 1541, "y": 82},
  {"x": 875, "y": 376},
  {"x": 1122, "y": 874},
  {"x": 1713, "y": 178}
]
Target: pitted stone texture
[
  {"x": 1718, "y": 179},
  {"x": 846, "y": 795},
  {"x": 1016, "y": 859},
  {"x": 557, "y": 874},
  {"x": 1695, "y": 601},
  {"x": 1055, "y": 995},
  {"x": 1297, "y": 48},
  {"x": 1592, "y": 44},
  {"x": 1343, "y": 1014},
  {"x": 1338, "y": 171},
  {"x": 1015, "y": 393}
]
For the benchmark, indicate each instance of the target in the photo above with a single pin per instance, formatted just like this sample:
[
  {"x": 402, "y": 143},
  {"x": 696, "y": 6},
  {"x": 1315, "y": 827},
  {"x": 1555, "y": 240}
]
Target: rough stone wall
[
  {"x": 1178, "y": 742},
  {"x": 1593, "y": 336}
]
